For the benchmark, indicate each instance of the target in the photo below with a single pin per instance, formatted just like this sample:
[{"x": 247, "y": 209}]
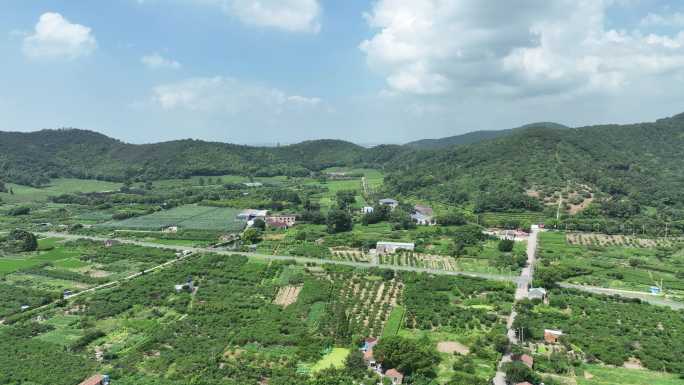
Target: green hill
[
  {"x": 634, "y": 166},
  {"x": 473, "y": 137},
  {"x": 33, "y": 158}
]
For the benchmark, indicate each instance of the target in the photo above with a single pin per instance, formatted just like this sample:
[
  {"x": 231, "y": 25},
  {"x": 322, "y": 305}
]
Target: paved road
[
  {"x": 317, "y": 261},
  {"x": 646, "y": 297},
  {"x": 524, "y": 281}
]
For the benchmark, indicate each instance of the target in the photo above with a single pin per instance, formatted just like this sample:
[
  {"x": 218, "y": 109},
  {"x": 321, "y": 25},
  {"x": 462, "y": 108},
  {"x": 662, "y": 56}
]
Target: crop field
[
  {"x": 33, "y": 278},
  {"x": 368, "y": 302},
  {"x": 185, "y": 217},
  {"x": 592, "y": 239},
  {"x": 26, "y": 194},
  {"x": 619, "y": 264}
]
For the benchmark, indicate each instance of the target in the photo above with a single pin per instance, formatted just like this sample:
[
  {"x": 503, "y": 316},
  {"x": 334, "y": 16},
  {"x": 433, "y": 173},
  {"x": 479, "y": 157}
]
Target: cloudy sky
[{"x": 390, "y": 71}]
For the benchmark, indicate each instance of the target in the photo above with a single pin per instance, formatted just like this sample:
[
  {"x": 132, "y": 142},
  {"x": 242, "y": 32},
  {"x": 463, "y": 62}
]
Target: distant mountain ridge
[
  {"x": 474, "y": 137},
  {"x": 35, "y": 157}
]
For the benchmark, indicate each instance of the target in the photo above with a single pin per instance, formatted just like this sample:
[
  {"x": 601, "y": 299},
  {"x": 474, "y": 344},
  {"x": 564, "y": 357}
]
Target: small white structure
[
  {"x": 422, "y": 219},
  {"x": 251, "y": 214},
  {"x": 171, "y": 229},
  {"x": 253, "y": 184},
  {"x": 24, "y": 307},
  {"x": 367, "y": 210},
  {"x": 392, "y": 247},
  {"x": 389, "y": 202},
  {"x": 537, "y": 293}
]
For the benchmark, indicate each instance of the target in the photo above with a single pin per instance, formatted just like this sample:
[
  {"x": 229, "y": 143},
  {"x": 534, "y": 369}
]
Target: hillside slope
[
  {"x": 473, "y": 137},
  {"x": 32, "y": 158},
  {"x": 637, "y": 163}
]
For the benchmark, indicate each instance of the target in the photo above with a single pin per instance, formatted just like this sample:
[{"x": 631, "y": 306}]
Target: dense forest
[{"x": 631, "y": 169}]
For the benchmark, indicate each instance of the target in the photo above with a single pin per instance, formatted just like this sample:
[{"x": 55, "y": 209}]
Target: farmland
[
  {"x": 619, "y": 262},
  {"x": 26, "y": 194},
  {"x": 187, "y": 217}
]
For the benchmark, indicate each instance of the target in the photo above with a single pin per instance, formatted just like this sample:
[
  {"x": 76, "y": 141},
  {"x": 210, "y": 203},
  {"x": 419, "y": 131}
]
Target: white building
[
  {"x": 367, "y": 210},
  {"x": 389, "y": 202},
  {"x": 392, "y": 247},
  {"x": 251, "y": 214}
]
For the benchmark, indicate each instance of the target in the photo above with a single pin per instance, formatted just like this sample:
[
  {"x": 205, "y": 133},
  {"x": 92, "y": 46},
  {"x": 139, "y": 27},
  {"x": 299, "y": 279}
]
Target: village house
[
  {"x": 394, "y": 375},
  {"x": 367, "y": 349},
  {"x": 367, "y": 210},
  {"x": 279, "y": 220},
  {"x": 392, "y": 247},
  {"x": 389, "y": 202},
  {"x": 423, "y": 215},
  {"x": 253, "y": 184},
  {"x": 537, "y": 293},
  {"x": 552, "y": 336},
  {"x": 98, "y": 379},
  {"x": 525, "y": 359}
]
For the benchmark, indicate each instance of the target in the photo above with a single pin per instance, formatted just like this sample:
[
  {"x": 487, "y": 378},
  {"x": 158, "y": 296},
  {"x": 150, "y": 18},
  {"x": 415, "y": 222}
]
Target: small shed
[
  {"x": 551, "y": 336},
  {"x": 389, "y": 202},
  {"x": 537, "y": 293}
]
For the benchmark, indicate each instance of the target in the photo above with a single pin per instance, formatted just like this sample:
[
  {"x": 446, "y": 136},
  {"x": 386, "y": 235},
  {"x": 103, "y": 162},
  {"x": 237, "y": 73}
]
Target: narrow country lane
[{"x": 523, "y": 284}]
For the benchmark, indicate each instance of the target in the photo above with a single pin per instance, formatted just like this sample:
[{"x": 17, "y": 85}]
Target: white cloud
[
  {"x": 157, "y": 61},
  {"x": 675, "y": 19},
  {"x": 288, "y": 15},
  {"x": 224, "y": 95},
  {"x": 55, "y": 37},
  {"x": 532, "y": 47}
]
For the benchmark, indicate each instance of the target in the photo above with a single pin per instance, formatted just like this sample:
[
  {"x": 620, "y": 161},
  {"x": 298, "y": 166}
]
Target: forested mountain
[
  {"x": 630, "y": 167},
  {"x": 473, "y": 137},
  {"x": 634, "y": 165},
  {"x": 33, "y": 158}
]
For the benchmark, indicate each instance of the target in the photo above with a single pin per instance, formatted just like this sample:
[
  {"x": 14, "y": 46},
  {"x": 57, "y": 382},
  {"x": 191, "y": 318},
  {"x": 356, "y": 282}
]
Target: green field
[
  {"x": 602, "y": 375},
  {"x": 394, "y": 321},
  {"x": 191, "y": 217},
  {"x": 334, "y": 359},
  {"x": 18, "y": 262},
  {"x": 26, "y": 194}
]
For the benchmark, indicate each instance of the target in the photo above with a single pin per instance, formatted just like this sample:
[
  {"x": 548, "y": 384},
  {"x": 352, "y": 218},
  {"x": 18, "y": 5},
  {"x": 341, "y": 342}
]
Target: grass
[
  {"x": 186, "y": 217},
  {"x": 608, "y": 376},
  {"x": 22, "y": 261},
  {"x": 394, "y": 322},
  {"x": 26, "y": 194},
  {"x": 335, "y": 359}
]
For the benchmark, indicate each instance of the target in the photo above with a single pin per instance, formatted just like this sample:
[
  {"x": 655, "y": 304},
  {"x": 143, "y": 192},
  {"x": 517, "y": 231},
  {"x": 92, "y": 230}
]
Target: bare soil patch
[
  {"x": 452, "y": 347},
  {"x": 287, "y": 295},
  {"x": 633, "y": 363}
]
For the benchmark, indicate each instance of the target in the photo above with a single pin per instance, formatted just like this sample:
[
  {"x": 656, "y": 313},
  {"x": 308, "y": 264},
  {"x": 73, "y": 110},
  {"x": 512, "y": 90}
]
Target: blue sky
[{"x": 366, "y": 71}]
